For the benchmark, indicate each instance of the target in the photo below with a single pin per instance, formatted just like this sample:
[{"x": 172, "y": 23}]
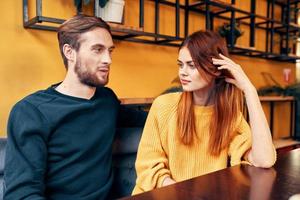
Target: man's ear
[{"x": 69, "y": 52}]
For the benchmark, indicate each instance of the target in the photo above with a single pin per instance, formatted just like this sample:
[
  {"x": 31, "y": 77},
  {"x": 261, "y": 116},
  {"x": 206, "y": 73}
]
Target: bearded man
[{"x": 60, "y": 139}]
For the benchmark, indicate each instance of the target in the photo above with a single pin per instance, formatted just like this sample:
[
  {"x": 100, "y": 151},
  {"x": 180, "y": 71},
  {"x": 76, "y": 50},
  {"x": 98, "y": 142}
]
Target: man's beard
[{"x": 87, "y": 77}]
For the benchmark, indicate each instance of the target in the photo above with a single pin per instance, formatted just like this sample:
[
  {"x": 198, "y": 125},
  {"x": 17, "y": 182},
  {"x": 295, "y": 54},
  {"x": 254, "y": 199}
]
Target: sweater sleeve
[
  {"x": 152, "y": 162},
  {"x": 26, "y": 154},
  {"x": 241, "y": 143}
]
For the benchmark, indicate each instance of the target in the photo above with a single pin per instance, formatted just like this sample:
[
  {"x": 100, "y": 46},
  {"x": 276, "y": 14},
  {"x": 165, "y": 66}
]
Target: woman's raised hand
[{"x": 239, "y": 79}]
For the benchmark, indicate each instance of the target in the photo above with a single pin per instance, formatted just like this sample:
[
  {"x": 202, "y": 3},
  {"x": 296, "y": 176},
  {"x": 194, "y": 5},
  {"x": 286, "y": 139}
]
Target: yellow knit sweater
[{"x": 161, "y": 154}]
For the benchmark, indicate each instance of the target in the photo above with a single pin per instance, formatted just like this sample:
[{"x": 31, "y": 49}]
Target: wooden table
[{"x": 238, "y": 182}]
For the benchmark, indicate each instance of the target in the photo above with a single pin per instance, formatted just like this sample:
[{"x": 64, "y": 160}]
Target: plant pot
[
  {"x": 228, "y": 40},
  {"x": 284, "y": 50},
  {"x": 113, "y": 11}
]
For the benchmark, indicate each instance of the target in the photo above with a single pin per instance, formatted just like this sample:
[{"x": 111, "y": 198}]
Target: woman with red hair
[{"x": 202, "y": 129}]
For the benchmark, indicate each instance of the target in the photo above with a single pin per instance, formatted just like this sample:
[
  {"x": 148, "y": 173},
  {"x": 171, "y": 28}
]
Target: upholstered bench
[
  {"x": 2, "y": 158},
  {"x": 124, "y": 155}
]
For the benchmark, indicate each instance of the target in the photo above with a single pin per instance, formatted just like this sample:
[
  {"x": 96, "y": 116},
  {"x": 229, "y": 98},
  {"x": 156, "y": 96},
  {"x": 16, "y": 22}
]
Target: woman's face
[{"x": 189, "y": 75}]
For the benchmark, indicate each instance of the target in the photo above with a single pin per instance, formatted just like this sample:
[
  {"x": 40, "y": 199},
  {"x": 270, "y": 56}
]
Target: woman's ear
[{"x": 69, "y": 52}]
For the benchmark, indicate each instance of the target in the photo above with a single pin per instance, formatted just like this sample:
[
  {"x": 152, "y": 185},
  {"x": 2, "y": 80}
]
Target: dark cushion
[
  {"x": 127, "y": 140},
  {"x": 2, "y": 158},
  {"x": 2, "y": 154},
  {"x": 124, "y": 156}
]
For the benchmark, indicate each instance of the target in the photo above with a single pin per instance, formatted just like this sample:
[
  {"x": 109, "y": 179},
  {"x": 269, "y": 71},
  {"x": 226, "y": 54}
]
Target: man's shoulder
[
  {"x": 33, "y": 101},
  {"x": 37, "y": 98},
  {"x": 26, "y": 111}
]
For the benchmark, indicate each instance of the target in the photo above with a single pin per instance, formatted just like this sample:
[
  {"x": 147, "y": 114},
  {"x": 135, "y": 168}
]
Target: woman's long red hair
[{"x": 227, "y": 98}]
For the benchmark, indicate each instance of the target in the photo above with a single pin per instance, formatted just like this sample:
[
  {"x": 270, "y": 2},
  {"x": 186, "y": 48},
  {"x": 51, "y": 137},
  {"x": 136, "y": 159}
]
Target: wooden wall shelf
[{"x": 286, "y": 28}]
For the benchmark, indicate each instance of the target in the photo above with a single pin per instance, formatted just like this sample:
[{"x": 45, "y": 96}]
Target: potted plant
[
  {"x": 78, "y": 4},
  {"x": 108, "y": 10},
  {"x": 225, "y": 31},
  {"x": 102, "y": 3},
  {"x": 111, "y": 11}
]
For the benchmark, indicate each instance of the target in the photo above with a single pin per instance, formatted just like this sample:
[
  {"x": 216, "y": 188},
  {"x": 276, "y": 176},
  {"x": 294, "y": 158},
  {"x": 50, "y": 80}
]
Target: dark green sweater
[{"x": 60, "y": 147}]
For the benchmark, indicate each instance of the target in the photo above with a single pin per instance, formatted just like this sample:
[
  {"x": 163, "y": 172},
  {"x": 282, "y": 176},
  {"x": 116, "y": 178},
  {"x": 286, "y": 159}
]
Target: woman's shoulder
[
  {"x": 166, "y": 102},
  {"x": 165, "y": 106},
  {"x": 167, "y": 99}
]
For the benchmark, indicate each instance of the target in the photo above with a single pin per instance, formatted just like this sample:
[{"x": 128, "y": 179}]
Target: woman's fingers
[
  {"x": 239, "y": 78},
  {"x": 219, "y": 61},
  {"x": 226, "y": 58},
  {"x": 223, "y": 62},
  {"x": 235, "y": 72},
  {"x": 230, "y": 68},
  {"x": 231, "y": 80}
]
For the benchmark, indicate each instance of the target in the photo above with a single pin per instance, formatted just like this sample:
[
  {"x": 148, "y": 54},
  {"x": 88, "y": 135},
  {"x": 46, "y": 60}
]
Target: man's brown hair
[{"x": 70, "y": 31}]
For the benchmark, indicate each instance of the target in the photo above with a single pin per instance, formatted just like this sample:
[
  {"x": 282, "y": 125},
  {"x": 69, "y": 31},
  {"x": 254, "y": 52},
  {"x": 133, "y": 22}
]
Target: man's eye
[{"x": 98, "y": 50}]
